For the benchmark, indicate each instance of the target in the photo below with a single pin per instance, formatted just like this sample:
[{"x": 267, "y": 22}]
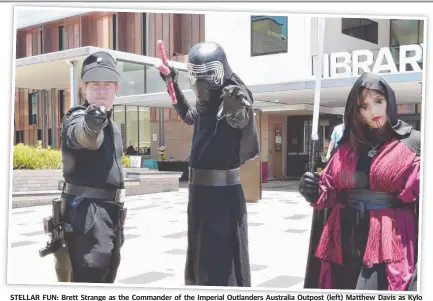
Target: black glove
[
  {"x": 96, "y": 118},
  {"x": 173, "y": 73},
  {"x": 235, "y": 98},
  {"x": 309, "y": 186}
]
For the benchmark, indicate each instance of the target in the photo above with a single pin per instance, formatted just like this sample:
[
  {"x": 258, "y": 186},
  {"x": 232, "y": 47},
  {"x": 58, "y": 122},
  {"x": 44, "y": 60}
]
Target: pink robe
[{"x": 393, "y": 233}]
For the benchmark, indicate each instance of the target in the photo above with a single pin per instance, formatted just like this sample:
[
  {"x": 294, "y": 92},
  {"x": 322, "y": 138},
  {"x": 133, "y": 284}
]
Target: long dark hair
[{"x": 358, "y": 129}]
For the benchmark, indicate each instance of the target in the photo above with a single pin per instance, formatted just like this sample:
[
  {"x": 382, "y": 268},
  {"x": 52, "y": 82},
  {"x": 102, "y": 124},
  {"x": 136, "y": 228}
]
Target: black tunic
[{"x": 217, "y": 253}]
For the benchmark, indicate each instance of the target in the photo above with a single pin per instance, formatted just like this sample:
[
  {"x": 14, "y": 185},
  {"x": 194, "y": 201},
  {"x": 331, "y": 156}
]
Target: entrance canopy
[
  {"x": 141, "y": 84},
  {"x": 284, "y": 97},
  {"x": 52, "y": 71}
]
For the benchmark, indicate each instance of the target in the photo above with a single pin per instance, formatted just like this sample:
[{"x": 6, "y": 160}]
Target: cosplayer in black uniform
[
  {"x": 92, "y": 167},
  {"x": 224, "y": 138}
]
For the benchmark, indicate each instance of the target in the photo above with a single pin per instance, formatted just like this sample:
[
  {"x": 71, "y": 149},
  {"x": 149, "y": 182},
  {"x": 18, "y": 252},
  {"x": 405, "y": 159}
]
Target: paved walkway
[{"x": 154, "y": 250}]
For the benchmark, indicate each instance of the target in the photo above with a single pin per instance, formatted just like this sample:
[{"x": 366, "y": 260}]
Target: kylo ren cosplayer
[
  {"x": 224, "y": 138},
  {"x": 365, "y": 224}
]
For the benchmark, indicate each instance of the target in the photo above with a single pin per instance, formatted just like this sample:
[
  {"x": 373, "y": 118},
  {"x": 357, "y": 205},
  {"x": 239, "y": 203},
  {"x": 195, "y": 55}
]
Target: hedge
[{"x": 37, "y": 157}]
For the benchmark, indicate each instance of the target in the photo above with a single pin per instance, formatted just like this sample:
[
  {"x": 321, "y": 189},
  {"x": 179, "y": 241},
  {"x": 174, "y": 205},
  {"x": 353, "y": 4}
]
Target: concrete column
[
  {"x": 72, "y": 83},
  {"x": 42, "y": 97},
  {"x": 53, "y": 117},
  {"x": 161, "y": 127}
]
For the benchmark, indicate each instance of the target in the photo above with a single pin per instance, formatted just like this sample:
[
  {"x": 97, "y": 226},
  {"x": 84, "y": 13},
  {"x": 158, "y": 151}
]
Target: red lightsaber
[{"x": 166, "y": 71}]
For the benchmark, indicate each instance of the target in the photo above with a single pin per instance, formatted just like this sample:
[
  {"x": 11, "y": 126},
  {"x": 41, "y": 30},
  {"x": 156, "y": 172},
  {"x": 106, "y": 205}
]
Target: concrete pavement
[{"x": 155, "y": 246}]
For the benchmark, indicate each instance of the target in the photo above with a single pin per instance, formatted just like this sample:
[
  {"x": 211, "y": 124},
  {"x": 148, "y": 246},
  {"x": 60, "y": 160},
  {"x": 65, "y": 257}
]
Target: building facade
[
  {"x": 135, "y": 33},
  {"x": 274, "y": 55},
  {"x": 275, "y": 50}
]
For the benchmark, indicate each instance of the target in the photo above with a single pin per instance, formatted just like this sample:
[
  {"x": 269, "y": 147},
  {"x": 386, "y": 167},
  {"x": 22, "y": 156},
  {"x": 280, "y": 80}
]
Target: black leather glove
[
  {"x": 173, "y": 73},
  {"x": 235, "y": 98},
  {"x": 96, "y": 118},
  {"x": 309, "y": 186}
]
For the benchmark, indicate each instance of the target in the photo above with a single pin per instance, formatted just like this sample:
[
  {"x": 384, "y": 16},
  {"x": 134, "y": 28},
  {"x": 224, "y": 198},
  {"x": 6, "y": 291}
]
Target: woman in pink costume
[{"x": 365, "y": 224}]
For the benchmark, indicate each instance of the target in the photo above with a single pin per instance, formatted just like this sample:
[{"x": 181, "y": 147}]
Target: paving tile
[
  {"x": 177, "y": 235},
  {"x": 141, "y": 208},
  {"x": 295, "y": 231},
  {"x": 163, "y": 261},
  {"x": 297, "y": 216},
  {"x": 131, "y": 236},
  {"x": 257, "y": 267},
  {"x": 145, "y": 278},
  {"x": 281, "y": 281},
  {"x": 22, "y": 243},
  {"x": 22, "y": 212},
  {"x": 176, "y": 252},
  {"x": 34, "y": 233}
]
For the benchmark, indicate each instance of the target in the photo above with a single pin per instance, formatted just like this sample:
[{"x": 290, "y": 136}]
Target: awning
[
  {"x": 51, "y": 70},
  {"x": 278, "y": 97}
]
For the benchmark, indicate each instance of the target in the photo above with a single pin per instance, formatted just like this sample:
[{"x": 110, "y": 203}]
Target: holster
[{"x": 55, "y": 227}]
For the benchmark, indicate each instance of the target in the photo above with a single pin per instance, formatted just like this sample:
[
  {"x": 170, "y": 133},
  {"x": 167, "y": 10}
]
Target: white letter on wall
[
  {"x": 344, "y": 64},
  {"x": 389, "y": 65},
  {"x": 412, "y": 60},
  {"x": 356, "y": 64}
]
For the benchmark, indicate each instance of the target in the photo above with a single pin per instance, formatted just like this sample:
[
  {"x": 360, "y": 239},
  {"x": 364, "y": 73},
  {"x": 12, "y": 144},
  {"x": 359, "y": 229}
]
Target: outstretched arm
[
  {"x": 84, "y": 128},
  {"x": 236, "y": 106}
]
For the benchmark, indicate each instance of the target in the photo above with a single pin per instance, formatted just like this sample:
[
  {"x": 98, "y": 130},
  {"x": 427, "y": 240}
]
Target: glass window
[
  {"x": 421, "y": 32},
  {"x": 144, "y": 130},
  {"x": 62, "y": 38},
  {"x": 268, "y": 35},
  {"x": 154, "y": 83},
  {"x": 33, "y": 108},
  {"x": 132, "y": 127},
  {"x": 119, "y": 119},
  {"x": 404, "y": 32},
  {"x": 406, "y": 109},
  {"x": 132, "y": 78},
  {"x": 363, "y": 29}
]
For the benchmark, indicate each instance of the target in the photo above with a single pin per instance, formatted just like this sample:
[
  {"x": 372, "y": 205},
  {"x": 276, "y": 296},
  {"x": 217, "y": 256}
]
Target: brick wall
[
  {"x": 178, "y": 31},
  {"x": 177, "y": 139}
]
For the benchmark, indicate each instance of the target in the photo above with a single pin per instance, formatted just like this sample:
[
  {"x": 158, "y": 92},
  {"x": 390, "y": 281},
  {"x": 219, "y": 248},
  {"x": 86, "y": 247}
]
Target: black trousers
[{"x": 94, "y": 245}]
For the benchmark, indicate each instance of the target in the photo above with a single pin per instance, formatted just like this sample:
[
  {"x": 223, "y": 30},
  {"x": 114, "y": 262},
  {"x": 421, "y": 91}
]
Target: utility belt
[
  {"x": 62, "y": 219},
  {"x": 207, "y": 177},
  {"x": 365, "y": 199},
  {"x": 114, "y": 195}
]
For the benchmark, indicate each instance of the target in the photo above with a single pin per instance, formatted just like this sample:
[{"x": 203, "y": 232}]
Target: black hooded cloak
[{"x": 400, "y": 129}]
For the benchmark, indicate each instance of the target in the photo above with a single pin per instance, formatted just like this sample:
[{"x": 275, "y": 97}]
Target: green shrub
[
  {"x": 36, "y": 157},
  {"x": 126, "y": 161}
]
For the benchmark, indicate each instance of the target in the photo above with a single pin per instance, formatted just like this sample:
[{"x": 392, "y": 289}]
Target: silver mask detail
[{"x": 212, "y": 72}]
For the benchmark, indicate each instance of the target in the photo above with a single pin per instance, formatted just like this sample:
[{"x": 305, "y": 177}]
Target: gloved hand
[
  {"x": 96, "y": 118},
  {"x": 235, "y": 98},
  {"x": 173, "y": 73},
  {"x": 309, "y": 186}
]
